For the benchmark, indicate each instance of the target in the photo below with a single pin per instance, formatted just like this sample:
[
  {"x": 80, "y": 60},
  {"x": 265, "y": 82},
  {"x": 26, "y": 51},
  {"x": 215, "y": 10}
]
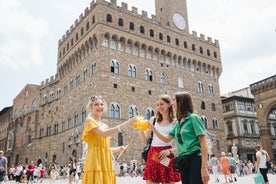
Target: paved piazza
[{"x": 137, "y": 180}]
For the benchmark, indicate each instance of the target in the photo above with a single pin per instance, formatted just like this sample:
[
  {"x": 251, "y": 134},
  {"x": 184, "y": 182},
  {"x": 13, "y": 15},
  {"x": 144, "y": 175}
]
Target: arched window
[
  {"x": 193, "y": 47},
  {"x": 114, "y": 66},
  {"x": 160, "y": 36},
  {"x": 44, "y": 99},
  {"x": 211, "y": 90},
  {"x": 33, "y": 106},
  {"x": 180, "y": 82},
  {"x": 109, "y": 18},
  {"x": 71, "y": 84},
  {"x": 15, "y": 114},
  {"x": 163, "y": 78},
  {"x": 142, "y": 29},
  {"x": 84, "y": 74},
  {"x": 185, "y": 44},
  {"x": 82, "y": 31},
  {"x": 58, "y": 93},
  {"x": 168, "y": 39},
  {"x": 151, "y": 33},
  {"x": 51, "y": 96},
  {"x": 77, "y": 80},
  {"x": 93, "y": 68},
  {"x": 83, "y": 115},
  {"x": 149, "y": 113},
  {"x": 131, "y": 26},
  {"x": 200, "y": 87},
  {"x": 133, "y": 111},
  {"x": 63, "y": 125},
  {"x": 121, "y": 22},
  {"x": 176, "y": 42},
  {"x": 215, "y": 54},
  {"x": 87, "y": 26},
  {"x": 114, "y": 110},
  {"x": 69, "y": 123},
  {"x": 201, "y": 50},
  {"x": 132, "y": 71},
  {"x": 205, "y": 122},
  {"x": 213, "y": 107},
  {"x": 215, "y": 124},
  {"x": 148, "y": 75},
  {"x": 76, "y": 119},
  {"x": 24, "y": 109}
]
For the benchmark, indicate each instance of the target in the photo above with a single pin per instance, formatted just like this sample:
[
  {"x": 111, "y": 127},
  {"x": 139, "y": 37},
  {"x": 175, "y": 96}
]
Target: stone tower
[{"x": 172, "y": 14}]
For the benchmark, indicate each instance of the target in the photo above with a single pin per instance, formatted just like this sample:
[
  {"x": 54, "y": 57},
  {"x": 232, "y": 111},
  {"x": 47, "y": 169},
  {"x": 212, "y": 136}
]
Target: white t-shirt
[
  {"x": 262, "y": 157},
  {"x": 165, "y": 130}
]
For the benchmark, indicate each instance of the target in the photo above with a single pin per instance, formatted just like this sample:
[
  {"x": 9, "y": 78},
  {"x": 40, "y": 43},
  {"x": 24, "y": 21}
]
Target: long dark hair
[
  {"x": 168, "y": 100},
  {"x": 184, "y": 105}
]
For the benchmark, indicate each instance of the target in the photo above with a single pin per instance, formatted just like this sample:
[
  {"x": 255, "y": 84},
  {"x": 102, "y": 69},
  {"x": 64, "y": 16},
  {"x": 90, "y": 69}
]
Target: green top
[{"x": 189, "y": 130}]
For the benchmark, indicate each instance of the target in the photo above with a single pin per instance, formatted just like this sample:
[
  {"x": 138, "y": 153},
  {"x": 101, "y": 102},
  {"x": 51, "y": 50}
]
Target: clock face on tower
[{"x": 179, "y": 21}]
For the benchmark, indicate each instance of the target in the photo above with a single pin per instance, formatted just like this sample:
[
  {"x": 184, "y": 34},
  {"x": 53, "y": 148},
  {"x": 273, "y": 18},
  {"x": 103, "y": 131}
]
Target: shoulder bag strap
[{"x": 151, "y": 135}]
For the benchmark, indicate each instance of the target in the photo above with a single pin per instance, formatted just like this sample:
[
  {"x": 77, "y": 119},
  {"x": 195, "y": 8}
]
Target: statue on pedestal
[
  {"x": 234, "y": 150},
  {"x": 84, "y": 150}
]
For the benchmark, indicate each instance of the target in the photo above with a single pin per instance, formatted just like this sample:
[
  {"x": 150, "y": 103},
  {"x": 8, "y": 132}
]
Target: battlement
[
  {"x": 133, "y": 11},
  {"x": 49, "y": 81},
  {"x": 209, "y": 40},
  {"x": 112, "y": 3}
]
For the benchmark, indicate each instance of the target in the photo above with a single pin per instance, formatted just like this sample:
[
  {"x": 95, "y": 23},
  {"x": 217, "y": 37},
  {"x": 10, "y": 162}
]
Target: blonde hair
[
  {"x": 260, "y": 149},
  {"x": 92, "y": 101}
]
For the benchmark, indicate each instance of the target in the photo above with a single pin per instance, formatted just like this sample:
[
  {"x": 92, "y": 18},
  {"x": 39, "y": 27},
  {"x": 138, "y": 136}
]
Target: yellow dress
[{"x": 98, "y": 168}]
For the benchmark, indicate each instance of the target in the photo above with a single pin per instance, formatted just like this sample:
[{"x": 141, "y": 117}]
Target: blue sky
[{"x": 30, "y": 30}]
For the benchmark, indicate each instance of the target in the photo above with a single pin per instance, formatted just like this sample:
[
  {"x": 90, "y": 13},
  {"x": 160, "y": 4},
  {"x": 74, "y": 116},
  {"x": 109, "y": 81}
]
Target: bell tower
[{"x": 172, "y": 13}]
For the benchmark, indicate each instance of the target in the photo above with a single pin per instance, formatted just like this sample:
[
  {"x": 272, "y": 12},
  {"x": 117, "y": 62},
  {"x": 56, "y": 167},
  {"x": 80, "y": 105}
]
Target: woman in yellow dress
[{"x": 98, "y": 166}]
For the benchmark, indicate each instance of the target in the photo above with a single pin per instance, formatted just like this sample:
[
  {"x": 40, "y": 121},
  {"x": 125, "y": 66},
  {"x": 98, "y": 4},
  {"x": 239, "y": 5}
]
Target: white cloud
[{"x": 20, "y": 36}]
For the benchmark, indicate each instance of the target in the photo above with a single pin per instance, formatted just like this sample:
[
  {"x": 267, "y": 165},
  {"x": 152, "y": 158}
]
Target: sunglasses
[
  {"x": 179, "y": 138},
  {"x": 94, "y": 97}
]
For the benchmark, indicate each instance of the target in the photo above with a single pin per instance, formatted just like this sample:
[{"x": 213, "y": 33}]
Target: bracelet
[{"x": 119, "y": 128}]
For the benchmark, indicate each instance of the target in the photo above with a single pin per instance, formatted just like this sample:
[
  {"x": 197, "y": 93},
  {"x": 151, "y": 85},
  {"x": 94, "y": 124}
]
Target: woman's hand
[
  {"x": 164, "y": 153},
  {"x": 122, "y": 148},
  {"x": 205, "y": 176}
]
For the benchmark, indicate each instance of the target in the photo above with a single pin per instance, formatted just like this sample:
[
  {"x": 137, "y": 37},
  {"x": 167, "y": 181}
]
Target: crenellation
[
  {"x": 202, "y": 36},
  {"x": 67, "y": 33},
  {"x": 124, "y": 6},
  {"x": 144, "y": 14},
  {"x": 134, "y": 10},
  {"x": 153, "y": 17},
  {"x": 63, "y": 38},
  {"x": 216, "y": 42},
  {"x": 194, "y": 33},
  {"x": 71, "y": 28},
  {"x": 42, "y": 83},
  {"x": 80, "y": 17},
  {"x": 76, "y": 23},
  {"x": 113, "y": 2},
  {"x": 92, "y": 4},
  {"x": 86, "y": 11}
]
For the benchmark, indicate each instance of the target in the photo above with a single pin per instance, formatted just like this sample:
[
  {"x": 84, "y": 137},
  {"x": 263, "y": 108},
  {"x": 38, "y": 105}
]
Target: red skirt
[{"x": 157, "y": 172}]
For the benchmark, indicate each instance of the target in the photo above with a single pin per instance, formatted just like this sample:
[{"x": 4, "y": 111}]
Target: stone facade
[
  {"x": 242, "y": 125},
  {"x": 5, "y": 117},
  {"x": 129, "y": 59}
]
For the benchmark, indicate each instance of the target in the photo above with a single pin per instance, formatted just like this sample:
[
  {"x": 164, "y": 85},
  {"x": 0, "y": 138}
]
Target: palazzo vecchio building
[{"x": 128, "y": 58}]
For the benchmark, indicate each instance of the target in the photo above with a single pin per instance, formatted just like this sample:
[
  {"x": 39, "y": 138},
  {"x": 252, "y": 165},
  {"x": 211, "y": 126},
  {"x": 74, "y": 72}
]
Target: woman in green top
[{"x": 190, "y": 138}]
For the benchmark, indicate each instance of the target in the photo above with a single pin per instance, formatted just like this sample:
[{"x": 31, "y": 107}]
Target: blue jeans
[
  {"x": 191, "y": 172},
  {"x": 2, "y": 174}
]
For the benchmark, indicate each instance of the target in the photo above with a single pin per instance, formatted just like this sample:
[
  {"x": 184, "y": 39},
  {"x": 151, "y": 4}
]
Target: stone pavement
[{"x": 137, "y": 180}]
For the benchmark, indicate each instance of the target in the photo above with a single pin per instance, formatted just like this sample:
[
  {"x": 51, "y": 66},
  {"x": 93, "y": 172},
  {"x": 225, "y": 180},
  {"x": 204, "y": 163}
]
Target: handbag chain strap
[{"x": 151, "y": 135}]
